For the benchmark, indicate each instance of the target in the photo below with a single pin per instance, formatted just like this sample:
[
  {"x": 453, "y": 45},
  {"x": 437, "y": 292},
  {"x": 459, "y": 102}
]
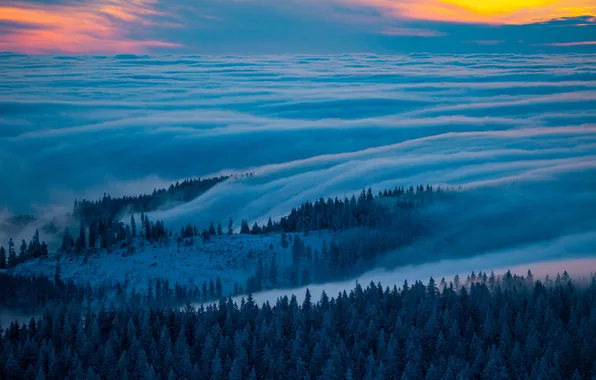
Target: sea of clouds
[{"x": 518, "y": 133}]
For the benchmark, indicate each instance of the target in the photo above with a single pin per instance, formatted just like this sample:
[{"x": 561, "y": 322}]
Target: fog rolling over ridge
[
  {"x": 516, "y": 132},
  {"x": 516, "y": 215},
  {"x": 579, "y": 270},
  {"x": 546, "y": 225}
]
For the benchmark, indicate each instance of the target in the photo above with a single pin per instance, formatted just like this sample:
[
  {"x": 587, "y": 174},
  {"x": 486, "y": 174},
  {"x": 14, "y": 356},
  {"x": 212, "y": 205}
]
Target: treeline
[
  {"x": 364, "y": 228},
  {"x": 342, "y": 214},
  {"x": 33, "y": 292},
  {"x": 113, "y": 234},
  {"x": 512, "y": 328},
  {"x": 109, "y": 208},
  {"x": 347, "y": 255},
  {"x": 33, "y": 250},
  {"x": 387, "y": 223},
  {"x": 334, "y": 214}
]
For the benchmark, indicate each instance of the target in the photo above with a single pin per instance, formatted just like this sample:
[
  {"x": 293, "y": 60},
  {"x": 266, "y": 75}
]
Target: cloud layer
[{"x": 309, "y": 126}]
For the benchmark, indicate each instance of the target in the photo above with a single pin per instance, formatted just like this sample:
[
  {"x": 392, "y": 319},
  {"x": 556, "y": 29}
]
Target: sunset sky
[{"x": 296, "y": 26}]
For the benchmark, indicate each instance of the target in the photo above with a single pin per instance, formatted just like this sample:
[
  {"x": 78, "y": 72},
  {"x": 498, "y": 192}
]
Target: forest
[
  {"x": 28, "y": 293},
  {"x": 108, "y": 207},
  {"x": 504, "y": 327},
  {"x": 363, "y": 228},
  {"x": 484, "y": 327}
]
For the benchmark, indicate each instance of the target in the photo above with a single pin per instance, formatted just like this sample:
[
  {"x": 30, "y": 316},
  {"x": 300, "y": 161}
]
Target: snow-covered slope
[{"x": 232, "y": 258}]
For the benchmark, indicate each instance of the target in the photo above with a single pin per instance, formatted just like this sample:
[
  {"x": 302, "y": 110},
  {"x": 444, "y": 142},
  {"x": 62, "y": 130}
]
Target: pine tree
[
  {"x": 81, "y": 244},
  {"x": 23, "y": 251},
  {"x": 284, "y": 241},
  {"x": 12, "y": 255},
  {"x": 148, "y": 229},
  {"x": 133, "y": 225},
  {"x": 211, "y": 289},
  {"x": 196, "y": 373},
  {"x": 218, "y": 287},
  {"x": 65, "y": 247},
  {"x": 236, "y": 370},
  {"x": 230, "y": 229},
  {"x": 273, "y": 272},
  {"x": 244, "y": 229},
  {"x": 93, "y": 235},
  {"x": 253, "y": 374},
  {"x": 2, "y": 258}
]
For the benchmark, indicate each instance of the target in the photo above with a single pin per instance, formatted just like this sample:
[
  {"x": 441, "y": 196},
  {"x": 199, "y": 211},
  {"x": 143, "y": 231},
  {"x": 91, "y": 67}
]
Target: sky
[{"x": 85, "y": 27}]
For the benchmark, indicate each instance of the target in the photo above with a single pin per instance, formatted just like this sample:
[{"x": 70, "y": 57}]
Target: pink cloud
[
  {"x": 577, "y": 43},
  {"x": 412, "y": 32},
  {"x": 85, "y": 27}
]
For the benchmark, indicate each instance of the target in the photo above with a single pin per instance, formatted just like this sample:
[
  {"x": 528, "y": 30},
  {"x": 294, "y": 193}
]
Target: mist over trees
[
  {"x": 481, "y": 327},
  {"x": 108, "y": 208},
  {"x": 27, "y": 293},
  {"x": 494, "y": 328},
  {"x": 26, "y": 251},
  {"x": 363, "y": 228}
]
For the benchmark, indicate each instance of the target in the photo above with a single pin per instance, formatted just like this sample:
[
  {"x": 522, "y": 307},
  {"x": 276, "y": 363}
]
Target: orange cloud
[
  {"x": 80, "y": 28},
  {"x": 483, "y": 11}
]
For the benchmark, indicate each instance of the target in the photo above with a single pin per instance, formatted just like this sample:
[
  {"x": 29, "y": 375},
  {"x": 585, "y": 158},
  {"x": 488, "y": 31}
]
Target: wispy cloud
[
  {"x": 80, "y": 27},
  {"x": 293, "y": 26},
  {"x": 571, "y": 44},
  {"x": 486, "y": 42},
  {"x": 412, "y": 32}
]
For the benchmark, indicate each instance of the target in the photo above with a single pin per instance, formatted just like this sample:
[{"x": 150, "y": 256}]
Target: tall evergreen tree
[
  {"x": 133, "y": 225},
  {"x": 12, "y": 254},
  {"x": 230, "y": 229},
  {"x": 2, "y": 258},
  {"x": 81, "y": 244},
  {"x": 284, "y": 240},
  {"x": 23, "y": 251}
]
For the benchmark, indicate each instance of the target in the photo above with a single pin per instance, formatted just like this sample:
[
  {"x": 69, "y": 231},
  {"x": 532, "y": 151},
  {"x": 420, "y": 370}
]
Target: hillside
[{"x": 231, "y": 258}]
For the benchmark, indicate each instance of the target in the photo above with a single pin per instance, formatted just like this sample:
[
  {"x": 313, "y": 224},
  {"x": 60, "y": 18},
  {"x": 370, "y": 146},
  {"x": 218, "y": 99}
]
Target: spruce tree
[
  {"x": 284, "y": 241},
  {"x": 230, "y": 229},
  {"x": 2, "y": 258},
  {"x": 133, "y": 226},
  {"x": 12, "y": 255},
  {"x": 82, "y": 239},
  {"x": 23, "y": 251}
]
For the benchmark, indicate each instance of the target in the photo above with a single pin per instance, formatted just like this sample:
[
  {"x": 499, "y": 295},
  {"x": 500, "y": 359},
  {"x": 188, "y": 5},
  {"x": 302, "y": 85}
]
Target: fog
[
  {"x": 515, "y": 134},
  {"x": 308, "y": 127},
  {"x": 578, "y": 268}
]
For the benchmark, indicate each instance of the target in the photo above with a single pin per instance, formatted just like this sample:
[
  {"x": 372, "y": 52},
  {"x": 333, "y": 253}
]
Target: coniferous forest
[
  {"x": 487, "y": 327},
  {"x": 490, "y": 328},
  {"x": 364, "y": 227}
]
